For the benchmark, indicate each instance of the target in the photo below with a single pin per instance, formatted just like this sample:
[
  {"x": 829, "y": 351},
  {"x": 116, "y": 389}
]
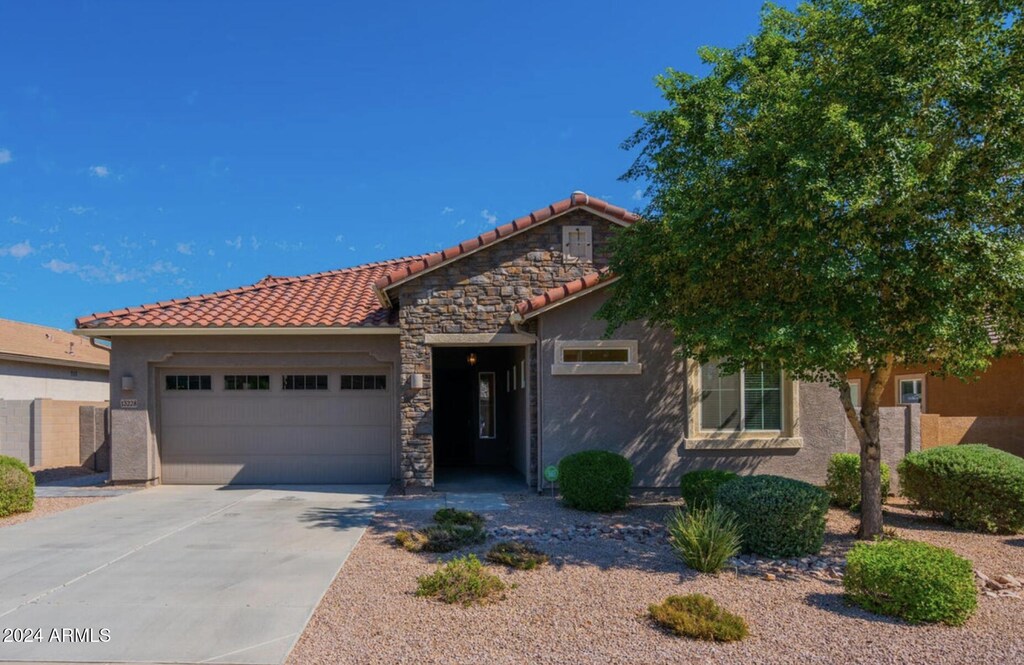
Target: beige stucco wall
[
  {"x": 60, "y": 420},
  {"x": 135, "y": 453},
  {"x": 22, "y": 381},
  {"x": 644, "y": 416}
]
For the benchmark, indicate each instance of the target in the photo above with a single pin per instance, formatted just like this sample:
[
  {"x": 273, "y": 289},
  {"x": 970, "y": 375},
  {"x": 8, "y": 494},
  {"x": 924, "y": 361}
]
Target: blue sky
[{"x": 151, "y": 150}]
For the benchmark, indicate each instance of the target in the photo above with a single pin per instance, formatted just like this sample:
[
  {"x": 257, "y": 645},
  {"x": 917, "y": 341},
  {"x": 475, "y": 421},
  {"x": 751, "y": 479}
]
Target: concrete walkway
[
  {"x": 479, "y": 502},
  {"x": 178, "y": 574},
  {"x": 93, "y": 484}
]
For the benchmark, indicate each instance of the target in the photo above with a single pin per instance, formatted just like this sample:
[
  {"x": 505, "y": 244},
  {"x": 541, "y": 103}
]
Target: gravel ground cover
[
  {"x": 589, "y": 604},
  {"x": 45, "y": 506}
]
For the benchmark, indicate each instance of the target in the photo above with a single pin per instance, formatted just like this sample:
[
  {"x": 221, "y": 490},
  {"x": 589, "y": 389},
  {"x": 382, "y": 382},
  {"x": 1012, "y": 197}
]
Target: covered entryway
[
  {"x": 275, "y": 426},
  {"x": 480, "y": 410}
]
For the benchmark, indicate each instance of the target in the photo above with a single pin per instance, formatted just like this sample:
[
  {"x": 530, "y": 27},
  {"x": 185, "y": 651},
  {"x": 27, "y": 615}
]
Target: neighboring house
[
  {"x": 989, "y": 410},
  {"x": 484, "y": 355},
  {"x": 40, "y": 362}
]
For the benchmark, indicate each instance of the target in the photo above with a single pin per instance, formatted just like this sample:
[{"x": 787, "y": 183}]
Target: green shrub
[
  {"x": 699, "y": 617},
  {"x": 515, "y": 554},
  {"x": 698, "y": 487},
  {"x": 459, "y": 517},
  {"x": 705, "y": 539},
  {"x": 462, "y": 580},
  {"x": 970, "y": 486},
  {"x": 778, "y": 517},
  {"x": 595, "y": 480},
  {"x": 843, "y": 480},
  {"x": 17, "y": 487},
  {"x": 915, "y": 581},
  {"x": 454, "y": 529}
]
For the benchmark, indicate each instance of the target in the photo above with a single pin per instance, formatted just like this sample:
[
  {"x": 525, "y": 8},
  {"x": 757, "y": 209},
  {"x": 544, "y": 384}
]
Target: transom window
[
  {"x": 364, "y": 382},
  {"x": 247, "y": 382},
  {"x": 576, "y": 243},
  {"x": 188, "y": 382},
  {"x": 750, "y": 400},
  {"x": 597, "y": 355},
  {"x": 304, "y": 382}
]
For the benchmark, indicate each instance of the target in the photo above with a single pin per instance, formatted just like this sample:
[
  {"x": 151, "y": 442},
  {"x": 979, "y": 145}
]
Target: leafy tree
[{"x": 841, "y": 191}]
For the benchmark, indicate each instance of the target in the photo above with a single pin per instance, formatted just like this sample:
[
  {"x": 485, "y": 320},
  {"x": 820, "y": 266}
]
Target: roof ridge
[
  {"x": 256, "y": 286},
  {"x": 40, "y": 325}
]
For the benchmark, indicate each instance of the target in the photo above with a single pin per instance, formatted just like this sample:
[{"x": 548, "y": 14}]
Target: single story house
[
  {"x": 484, "y": 355},
  {"x": 987, "y": 410},
  {"x": 37, "y": 362}
]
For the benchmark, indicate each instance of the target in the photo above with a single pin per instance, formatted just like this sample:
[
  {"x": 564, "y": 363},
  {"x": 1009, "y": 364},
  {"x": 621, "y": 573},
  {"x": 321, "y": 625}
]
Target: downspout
[{"x": 516, "y": 319}]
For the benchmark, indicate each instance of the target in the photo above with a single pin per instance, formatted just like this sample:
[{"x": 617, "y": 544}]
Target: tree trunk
[{"x": 866, "y": 426}]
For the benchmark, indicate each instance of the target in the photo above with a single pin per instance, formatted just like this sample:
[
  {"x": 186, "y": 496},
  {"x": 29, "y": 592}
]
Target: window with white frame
[
  {"x": 577, "y": 243},
  {"x": 603, "y": 356},
  {"x": 855, "y": 392},
  {"x": 749, "y": 400},
  {"x": 910, "y": 390}
]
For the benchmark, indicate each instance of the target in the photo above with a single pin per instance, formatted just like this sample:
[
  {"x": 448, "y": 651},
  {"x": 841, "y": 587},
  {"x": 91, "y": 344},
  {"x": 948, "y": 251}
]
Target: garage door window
[
  {"x": 364, "y": 382},
  {"x": 187, "y": 382},
  {"x": 304, "y": 382},
  {"x": 247, "y": 382}
]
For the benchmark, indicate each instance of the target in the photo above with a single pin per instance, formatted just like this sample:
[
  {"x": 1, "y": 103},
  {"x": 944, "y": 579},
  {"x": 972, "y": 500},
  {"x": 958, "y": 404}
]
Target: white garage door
[{"x": 260, "y": 426}]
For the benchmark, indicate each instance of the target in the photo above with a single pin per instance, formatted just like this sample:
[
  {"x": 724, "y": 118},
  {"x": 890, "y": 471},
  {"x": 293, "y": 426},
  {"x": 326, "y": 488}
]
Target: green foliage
[
  {"x": 970, "y": 486},
  {"x": 462, "y": 580},
  {"x": 915, "y": 581},
  {"x": 705, "y": 538},
  {"x": 698, "y": 617},
  {"x": 843, "y": 480},
  {"x": 778, "y": 517},
  {"x": 698, "y": 487},
  {"x": 595, "y": 480},
  {"x": 454, "y": 529},
  {"x": 17, "y": 487},
  {"x": 515, "y": 554}
]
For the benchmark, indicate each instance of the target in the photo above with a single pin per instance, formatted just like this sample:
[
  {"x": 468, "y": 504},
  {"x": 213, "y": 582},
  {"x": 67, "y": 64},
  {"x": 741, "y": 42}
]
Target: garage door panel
[{"x": 275, "y": 436}]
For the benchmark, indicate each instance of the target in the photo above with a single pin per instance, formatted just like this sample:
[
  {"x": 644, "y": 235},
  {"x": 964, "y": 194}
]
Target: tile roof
[
  {"x": 551, "y": 296},
  {"x": 337, "y": 298},
  {"x": 577, "y": 200},
  {"x": 49, "y": 345}
]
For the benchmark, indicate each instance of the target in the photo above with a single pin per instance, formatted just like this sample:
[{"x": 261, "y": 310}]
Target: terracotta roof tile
[
  {"x": 577, "y": 200},
  {"x": 562, "y": 291},
  {"x": 337, "y": 298},
  {"x": 50, "y": 344}
]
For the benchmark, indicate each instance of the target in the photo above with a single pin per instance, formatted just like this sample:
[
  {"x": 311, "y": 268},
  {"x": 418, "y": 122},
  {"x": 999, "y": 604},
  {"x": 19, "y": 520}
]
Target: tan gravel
[
  {"x": 48, "y": 506},
  {"x": 589, "y": 605}
]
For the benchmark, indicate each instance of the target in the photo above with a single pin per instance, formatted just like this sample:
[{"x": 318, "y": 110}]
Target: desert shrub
[
  {"x": 595, "y": 480},
  {"x": 698, "y": 487},
  {"x": 699, "y": 617},
  {"x": 17, "y": 487},
  {"x": 778, "y": 517},
  {"x": 843, "y": 480},
  {"x": 458, "y": 517},
  {"x": 515, "y": 554},
  {"x": 915, "y": 581},
  {"x": 706, "y": 538},
  {"x": 970, "y": 486},
  {"x": 462, "y": 580}
]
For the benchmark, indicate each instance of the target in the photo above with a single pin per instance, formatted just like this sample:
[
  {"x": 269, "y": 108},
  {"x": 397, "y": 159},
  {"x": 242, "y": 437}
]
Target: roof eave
[
  {"x": 568, "y": 299},
  {"x": 154, "y": 331}
]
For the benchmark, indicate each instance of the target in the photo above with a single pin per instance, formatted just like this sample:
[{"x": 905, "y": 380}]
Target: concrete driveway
[{"x": 178, "y": 574}]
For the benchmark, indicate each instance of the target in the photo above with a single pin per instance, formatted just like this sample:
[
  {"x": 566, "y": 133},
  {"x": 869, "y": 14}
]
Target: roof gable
[{"x": 433, "y": 261}]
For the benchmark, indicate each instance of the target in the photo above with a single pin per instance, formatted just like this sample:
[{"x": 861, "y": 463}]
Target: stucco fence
[
  {"x": 46, "y": 433},
  {"x": 1003, "y": 432}
]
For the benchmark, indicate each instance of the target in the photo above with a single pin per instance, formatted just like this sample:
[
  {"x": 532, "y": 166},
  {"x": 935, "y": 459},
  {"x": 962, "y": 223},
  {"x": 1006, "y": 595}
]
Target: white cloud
[
  {"x": 638, "y": 195},
  {"x": 14, "y": 219},
  {"x": 99, "y": 171},
  {"x": 5, "y": 156},
  {"x": 254, "y": 242},
  {"x": 339, "y": 238},
  {"x": 379, "y": 245},
  {"x": 18, "y": 250},
  {"x": 185, "y": 248},
  {"x": 236, "y": 243},
  {"x": 460, "y": 222},
  {"x": 351, "y": 248},
  {"x": 98, "y": 248},
  {"x": 79, "y": 210},
  {"x": 211, "y": 253},
  {"x": 447, "y": 210},
  {"x": 491, "y": 218},
  {"x": 163, "y": 267},
  {"x": 60, "y": 267}
]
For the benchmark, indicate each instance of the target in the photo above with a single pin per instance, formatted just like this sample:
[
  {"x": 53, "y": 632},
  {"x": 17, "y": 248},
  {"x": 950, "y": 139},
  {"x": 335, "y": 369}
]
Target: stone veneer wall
[{"x": 476, "y": 294}]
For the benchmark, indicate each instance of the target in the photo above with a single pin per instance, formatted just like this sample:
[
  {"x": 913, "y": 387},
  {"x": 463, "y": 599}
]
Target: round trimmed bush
[
  {"x": 843, "y": 480},
  {"x": 970, "y": 486},
  {"x": 17, "y": 487},
  {"x": 595, "y": 480},
  {"x": 778, "y": 517},
  {"x": 698, "y": 487},
  {"x": 914, "y": 581}
]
